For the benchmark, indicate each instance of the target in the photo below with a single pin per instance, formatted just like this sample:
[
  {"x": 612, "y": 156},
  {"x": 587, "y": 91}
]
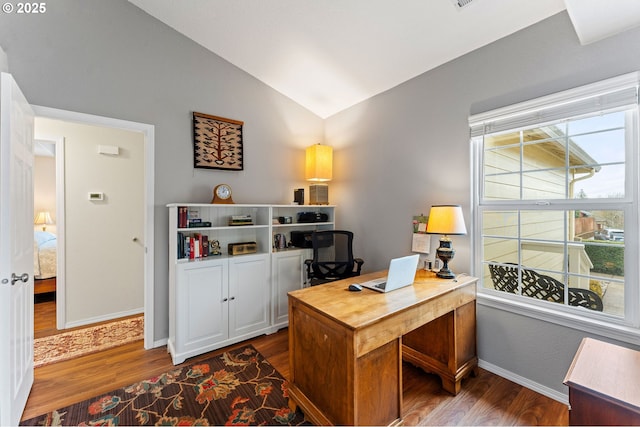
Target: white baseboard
[{"x": 525, "y": 382}]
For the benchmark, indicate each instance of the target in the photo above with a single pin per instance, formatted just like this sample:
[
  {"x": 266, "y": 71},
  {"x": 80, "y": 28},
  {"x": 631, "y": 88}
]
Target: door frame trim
[{"x": 149, "y": 173}]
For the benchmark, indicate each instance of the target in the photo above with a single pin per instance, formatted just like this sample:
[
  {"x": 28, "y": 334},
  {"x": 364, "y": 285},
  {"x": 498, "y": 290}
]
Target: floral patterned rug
[
  {"x": 79, "y": 342},
  {"x": 239, "y": 387}
]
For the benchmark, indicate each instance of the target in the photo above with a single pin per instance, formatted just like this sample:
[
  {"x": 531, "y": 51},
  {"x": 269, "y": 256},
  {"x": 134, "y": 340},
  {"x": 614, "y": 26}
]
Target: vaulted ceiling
[{"x": 328, "y": 55}]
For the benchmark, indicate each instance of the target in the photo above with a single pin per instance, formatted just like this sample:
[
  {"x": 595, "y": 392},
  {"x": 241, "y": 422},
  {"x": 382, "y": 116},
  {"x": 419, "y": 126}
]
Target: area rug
[
  {"x": 79, "y": 342},
  {"x": 239, "y": 387}
]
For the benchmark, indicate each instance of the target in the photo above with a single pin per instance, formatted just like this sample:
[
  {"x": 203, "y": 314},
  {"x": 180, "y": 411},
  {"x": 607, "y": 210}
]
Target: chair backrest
[{"x": 332, "y": 254}]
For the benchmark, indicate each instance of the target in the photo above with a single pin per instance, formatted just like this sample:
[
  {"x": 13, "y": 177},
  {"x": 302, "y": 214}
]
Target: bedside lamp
[
  {"x": 319, "y": 169},
  {"x": 446, "y": 220},
  {"x": 43, "y": 218}
]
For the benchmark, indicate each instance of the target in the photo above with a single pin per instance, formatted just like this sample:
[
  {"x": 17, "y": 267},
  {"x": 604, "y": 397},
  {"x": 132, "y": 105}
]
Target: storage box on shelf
[{"x": 217, "y": 300}]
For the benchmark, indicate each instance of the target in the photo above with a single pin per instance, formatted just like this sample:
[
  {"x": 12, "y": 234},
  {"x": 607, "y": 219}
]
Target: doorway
[{"x": 139, "y": 242}]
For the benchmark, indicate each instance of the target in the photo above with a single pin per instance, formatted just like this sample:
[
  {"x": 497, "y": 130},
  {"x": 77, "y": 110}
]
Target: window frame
[{"x": 572, "y": 103}]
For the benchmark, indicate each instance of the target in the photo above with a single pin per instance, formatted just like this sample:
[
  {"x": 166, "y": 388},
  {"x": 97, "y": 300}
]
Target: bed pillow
[{"x": 41, "y": 237}]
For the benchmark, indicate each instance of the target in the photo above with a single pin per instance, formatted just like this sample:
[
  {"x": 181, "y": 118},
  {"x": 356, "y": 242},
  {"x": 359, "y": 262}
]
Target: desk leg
[{"x": 445, "y": 346}]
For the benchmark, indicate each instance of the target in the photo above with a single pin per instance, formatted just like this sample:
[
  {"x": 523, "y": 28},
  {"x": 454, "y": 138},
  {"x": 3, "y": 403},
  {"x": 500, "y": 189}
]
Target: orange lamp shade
[{"x": 319, "y": 163}]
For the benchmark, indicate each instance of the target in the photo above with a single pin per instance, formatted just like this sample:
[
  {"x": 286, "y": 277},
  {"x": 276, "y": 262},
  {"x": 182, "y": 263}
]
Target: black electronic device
[
  {"x": 285, "y": 219},
  {"x": 298, "y": 196},
  {"x": 302, "y": 239},
  {"x": 354, "y": 287},
  {"x": 312, "y": 217}
]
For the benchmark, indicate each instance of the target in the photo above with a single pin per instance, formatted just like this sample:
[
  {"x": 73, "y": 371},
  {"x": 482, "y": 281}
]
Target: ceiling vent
[{"x": 459, "y": 4}]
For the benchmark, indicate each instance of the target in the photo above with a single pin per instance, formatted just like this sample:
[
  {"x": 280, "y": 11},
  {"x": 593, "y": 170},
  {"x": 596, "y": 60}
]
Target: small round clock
[{"x": 222, "y": 194}]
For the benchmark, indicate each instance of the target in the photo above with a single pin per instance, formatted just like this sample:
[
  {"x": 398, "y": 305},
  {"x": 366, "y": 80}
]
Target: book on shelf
[
  {"x": 240, "y": 220},
  {"x": 205, "y": 245},
  {"x": 183, "y": 219},
  {"x": 199, "y": 224},
  {"x": 193, "y": 246}
]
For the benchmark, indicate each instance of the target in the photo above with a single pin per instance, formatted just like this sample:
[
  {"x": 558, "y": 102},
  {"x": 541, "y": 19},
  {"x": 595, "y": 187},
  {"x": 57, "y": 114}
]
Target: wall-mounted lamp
[
  {"x": 446, "y": 220},
  {"x": 319, "y": 169},
  {"x": 43, "y": 218}
]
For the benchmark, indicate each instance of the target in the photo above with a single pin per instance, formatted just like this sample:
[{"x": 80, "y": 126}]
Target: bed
[{"x": 44, "y": 261}]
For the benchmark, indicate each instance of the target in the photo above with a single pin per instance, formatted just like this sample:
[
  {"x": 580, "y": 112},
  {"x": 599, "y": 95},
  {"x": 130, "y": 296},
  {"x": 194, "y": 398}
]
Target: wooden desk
[
  {"x": 346, "y": 348},
  {"x": 604, "y": 385}
]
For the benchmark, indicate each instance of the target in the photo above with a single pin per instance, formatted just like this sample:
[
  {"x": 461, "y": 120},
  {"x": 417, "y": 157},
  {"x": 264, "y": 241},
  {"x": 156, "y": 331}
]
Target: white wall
[
  {"x": 103, "y": 265},
  {"x": 408, "y": 148},
  {"x": 71, "y": 58}
]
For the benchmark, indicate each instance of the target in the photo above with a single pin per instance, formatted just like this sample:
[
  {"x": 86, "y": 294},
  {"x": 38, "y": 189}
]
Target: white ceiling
[{"x": 328, "y": 55}]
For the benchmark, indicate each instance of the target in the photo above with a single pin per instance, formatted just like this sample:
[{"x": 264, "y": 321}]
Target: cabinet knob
[
  {"x": 225, "y": 300},
  {"x": 232, "y": 298}
]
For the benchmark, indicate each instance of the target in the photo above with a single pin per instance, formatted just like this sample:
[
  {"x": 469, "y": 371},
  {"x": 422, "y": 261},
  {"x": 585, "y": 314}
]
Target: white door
[{"x": 16, "y": 251}]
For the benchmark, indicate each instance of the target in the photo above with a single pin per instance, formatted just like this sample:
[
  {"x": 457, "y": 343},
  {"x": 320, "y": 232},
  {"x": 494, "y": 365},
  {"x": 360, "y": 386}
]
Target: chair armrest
[{"x": 359, "y": 262}]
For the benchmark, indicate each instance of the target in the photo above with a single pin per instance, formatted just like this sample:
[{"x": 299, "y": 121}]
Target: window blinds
[{"x": 618, "y": 92}]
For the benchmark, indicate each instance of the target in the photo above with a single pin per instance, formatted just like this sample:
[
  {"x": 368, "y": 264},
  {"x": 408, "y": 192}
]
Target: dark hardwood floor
[{"x": 484, "y": 400}]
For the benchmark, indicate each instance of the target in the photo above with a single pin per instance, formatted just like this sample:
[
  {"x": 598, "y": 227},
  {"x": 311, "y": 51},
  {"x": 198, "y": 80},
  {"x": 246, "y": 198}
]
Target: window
[{"x": 556, "y": 183}]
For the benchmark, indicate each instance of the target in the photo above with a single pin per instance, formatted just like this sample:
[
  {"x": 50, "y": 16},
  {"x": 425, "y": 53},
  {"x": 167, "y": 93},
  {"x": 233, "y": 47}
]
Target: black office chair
[{"x": 332, "y": 257}]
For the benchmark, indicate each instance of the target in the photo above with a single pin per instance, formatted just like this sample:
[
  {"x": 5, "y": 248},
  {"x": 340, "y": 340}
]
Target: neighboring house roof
[{"x": 577, "y": 156}]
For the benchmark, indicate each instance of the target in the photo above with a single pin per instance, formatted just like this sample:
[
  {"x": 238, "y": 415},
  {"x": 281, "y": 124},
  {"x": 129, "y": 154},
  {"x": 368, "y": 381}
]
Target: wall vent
[{"x": 461, "y": 3}]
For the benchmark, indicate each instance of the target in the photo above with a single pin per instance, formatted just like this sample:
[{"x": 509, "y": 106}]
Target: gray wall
[
  {"x": 110, "y": 58},
  {"x": 395, "y": 154},
  {"x": 408, "y": 148}
]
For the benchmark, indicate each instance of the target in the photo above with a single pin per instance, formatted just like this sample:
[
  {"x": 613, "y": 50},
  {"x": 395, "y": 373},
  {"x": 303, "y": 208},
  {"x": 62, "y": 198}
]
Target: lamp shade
[
  {"x": 446, "y": 219},
  {"x": 319, "y": 163},
  {"x": 43, "y": 217}
]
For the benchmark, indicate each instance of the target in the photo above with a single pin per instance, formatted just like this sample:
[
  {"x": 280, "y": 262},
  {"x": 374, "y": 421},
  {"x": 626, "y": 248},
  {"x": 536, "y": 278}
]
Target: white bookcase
[{"x": 217, "y": 300}]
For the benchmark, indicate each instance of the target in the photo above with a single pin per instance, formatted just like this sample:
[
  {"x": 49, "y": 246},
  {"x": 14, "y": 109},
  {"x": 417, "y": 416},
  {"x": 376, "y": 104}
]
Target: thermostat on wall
[
  {"x": 108, "y": 149},
  {"x": 96, "y": 195}
]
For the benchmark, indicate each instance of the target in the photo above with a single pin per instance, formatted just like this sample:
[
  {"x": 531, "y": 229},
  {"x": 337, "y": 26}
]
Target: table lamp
[
  {"x": 446, "y": 220},
  {"x": 43, "y": 218},
  {"x": 319, "y": 169}
]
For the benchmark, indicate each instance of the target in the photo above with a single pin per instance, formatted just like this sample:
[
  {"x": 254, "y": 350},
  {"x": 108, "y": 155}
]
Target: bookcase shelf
[{"x": 218, "y": 300}]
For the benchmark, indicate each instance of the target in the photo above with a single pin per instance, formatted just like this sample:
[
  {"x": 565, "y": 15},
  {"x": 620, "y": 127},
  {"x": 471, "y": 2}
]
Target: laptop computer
[{"x": 402, "y": 271}]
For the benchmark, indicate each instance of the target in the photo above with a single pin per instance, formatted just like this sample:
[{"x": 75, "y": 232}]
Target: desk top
[
  {"x": 356, "y": 310},
  {"x": 608, "y": 371}
]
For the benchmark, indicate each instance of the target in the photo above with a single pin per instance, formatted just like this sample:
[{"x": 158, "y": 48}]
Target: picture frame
[{"x": 217, "y": 143}]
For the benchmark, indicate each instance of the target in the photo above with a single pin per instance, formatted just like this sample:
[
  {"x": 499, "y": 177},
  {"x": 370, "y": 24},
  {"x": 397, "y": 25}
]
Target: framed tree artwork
[{"x": 217, "y": 143}]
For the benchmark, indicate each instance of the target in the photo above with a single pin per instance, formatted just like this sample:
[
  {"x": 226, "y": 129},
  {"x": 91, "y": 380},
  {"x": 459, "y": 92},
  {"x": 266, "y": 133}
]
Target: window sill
[{"x": 623, "y": 333}]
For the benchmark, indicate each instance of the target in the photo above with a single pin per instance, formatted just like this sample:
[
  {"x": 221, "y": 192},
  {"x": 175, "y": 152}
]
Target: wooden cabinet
[
  {"x": 604, "y": 386},
  {"x": 217, "y": 300}
]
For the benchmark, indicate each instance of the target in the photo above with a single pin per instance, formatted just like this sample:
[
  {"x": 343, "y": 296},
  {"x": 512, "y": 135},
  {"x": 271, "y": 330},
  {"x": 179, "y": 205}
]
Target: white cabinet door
[
  {"x": 202, "y": 307},
  {"x": 288, "y": 275},
  {"x": 248, "y": 293}
]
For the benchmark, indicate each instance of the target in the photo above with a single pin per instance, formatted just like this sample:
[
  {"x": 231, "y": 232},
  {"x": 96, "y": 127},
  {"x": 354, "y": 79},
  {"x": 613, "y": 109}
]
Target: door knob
[{"x": 24, "y": 278}]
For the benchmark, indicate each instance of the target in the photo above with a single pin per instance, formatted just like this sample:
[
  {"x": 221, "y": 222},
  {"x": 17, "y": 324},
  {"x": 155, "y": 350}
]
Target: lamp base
[
  {"x": 319, "y": 194},
  {"x": 445, "y": 253}
]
